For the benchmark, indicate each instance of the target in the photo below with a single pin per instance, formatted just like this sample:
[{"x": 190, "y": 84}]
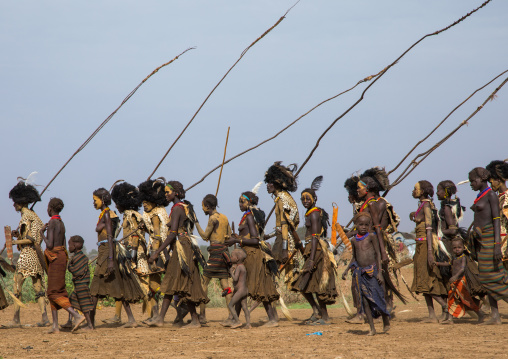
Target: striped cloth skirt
[{"x": 493, "y": 276}]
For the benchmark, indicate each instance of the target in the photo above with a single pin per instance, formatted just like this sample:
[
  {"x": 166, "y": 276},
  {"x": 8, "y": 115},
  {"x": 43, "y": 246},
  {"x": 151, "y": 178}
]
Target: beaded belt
[{"x": 421, "y": 239}]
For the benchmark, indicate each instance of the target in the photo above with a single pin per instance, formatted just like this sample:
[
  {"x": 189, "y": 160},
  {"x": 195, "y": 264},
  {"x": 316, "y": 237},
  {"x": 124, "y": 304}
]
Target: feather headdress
[
  {"x": 24, "y": 192},
  {"x": 255, "y": 190},
  {"x": 379, "y": 175}
]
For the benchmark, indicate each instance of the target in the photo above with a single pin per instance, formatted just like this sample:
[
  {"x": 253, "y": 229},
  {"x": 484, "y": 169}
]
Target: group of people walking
[{"x": 157, "y": 256}]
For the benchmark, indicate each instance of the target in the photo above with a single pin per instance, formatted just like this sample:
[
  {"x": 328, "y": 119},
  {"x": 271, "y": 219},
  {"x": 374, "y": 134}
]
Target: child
[
  {"x": 367, "y": 277},
  {"x": 56, "y": 262},
  {"x": 460, "y": 297},
  {"x": 239, "y": 299},
  {"x": 217, "y": 232},
  {"x": 78, "y": 266}
]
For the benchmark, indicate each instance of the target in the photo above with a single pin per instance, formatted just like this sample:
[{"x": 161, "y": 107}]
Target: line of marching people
[{"x": 156, "y": 260}]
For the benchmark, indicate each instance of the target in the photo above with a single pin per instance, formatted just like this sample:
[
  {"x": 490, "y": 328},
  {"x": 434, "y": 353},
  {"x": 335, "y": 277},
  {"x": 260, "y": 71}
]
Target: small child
[
  {"x": 78, "y": 266},
  {"x": 460, "y": 296},
  {"x": 367, "y": 277},
  {"x": 239, "y": 299}
]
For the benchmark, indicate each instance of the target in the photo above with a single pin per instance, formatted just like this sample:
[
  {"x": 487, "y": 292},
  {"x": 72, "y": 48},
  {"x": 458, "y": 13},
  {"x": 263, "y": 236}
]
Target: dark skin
[
  {"x": 367, "y": 253},
  {"x": 73, "y": 248},
  {"x": 177, "y": 220},
  {"x": 274, "y": 190},
  {"x": 156, "y": 223},
  {"x": 105, "y": 223},
  {"x": 56, "y": 238},
  {"x": 458, "y": 268},
  {"x": 239, "y": 299},
  {"x": 422, "y": 216},
  {"x": 485, "y": 210},
  {"x": 377, "y": 210},
  {"x": 446, "y": 213},
  {"x": 19, "y": 279},
  {"x": 249, "y": 236},
  {"x": 213, "y": 234},
  {"x": 313, "y": 225}
]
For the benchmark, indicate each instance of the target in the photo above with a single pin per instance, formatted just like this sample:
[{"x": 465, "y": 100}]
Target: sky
[{"x": 65, "y": 66}]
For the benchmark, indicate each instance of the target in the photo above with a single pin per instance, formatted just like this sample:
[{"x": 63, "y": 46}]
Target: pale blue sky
[{"x": 65, "y": 66}]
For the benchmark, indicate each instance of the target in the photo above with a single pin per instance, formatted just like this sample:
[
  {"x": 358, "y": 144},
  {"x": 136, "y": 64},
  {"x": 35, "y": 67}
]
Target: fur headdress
[
  {"x": 126, "y": 196},
  {"x": 380, "y": 177},
  {"x": 153, "y": 191},
  {"x": 498, "y": 170},
  {"x": 282, "y": 176},
  {"x": 24, "y": 192},
  {"x": 351, "y": 186}
]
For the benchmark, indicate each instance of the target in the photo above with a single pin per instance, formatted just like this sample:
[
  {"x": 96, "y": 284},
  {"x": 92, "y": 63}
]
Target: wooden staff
[
  {"x": 223, "y": 159},
  {"x": 217, "y": 85},
  {"x": 375, "y": 77},
  {"x": 87, "y": 141}
]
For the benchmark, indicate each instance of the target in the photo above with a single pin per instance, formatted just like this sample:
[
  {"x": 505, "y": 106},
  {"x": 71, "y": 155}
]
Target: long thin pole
[
  {"x": 87, "y": 141},
  {"x": 223, "y": 159},
  {"x": 217, "y": 85},
  {"x": 360, "y": 99}
]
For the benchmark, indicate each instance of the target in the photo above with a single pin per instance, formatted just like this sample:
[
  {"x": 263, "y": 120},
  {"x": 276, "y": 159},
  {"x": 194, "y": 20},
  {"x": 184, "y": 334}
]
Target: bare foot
[
  {"x": 236, "y": 325},
  {"x": 114, "y": 320},
  {"x": 78, "y": 323},
  {"x": 430, "y": 320},
  {"x": 447, "y": 321},
  {"x": 372, "y": 333},
  {"x": 44, "y": 323},
  {"x": 492, "y": 321},
  {"x": 247, "y": 326},
  {"x": 202, "y": 319},
  {"x": 155, "y": 323},
  {"x": 264, "y": 319},
  {"x": 54, "y": 330},
  {"x": 357, "y": 319},
  {"x": 87, "y": 329},
  {"x": 386, "y": 328},
  {"x": 227, "y": 323},
  {"x": 192, "y": 325},
  {"x": 481, "y": 316},
  {"x": 271, "y": 324},
  {"x": 130, "y": 325},
  {"x": 67, "y": 325},
  {"x": 11, "y": 325}
]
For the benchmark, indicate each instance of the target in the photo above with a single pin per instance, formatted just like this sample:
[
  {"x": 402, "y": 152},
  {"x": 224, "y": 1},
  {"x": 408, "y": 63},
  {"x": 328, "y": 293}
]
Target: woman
[
  {"x": 318, "y": 274},
  {"x": 498, "y": 175},
  {"x": 427, "y": 278},
  {"x": 260, "y": 278},
  {"x": 183, "y": 278},
  {"x": 108, "y": 280},
  {"x": 487, "y": 231},
  {"x": 450, "y": 214}
]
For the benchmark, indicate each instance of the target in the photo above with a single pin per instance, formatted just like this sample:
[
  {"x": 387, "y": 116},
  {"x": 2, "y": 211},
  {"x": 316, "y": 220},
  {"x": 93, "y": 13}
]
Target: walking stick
[{"x": 223, "y": 159}]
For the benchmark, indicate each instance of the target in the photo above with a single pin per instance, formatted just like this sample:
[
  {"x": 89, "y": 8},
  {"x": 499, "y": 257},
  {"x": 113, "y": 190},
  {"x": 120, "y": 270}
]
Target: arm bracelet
[{"x": 284, "y": 245}]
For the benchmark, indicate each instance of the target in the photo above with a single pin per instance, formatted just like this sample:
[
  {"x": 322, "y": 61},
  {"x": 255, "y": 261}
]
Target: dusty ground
[{"x": 408, "y": 338}]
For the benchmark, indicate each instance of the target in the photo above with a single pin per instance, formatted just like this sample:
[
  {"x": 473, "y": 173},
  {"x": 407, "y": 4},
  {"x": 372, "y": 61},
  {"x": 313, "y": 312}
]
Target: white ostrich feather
[
  {"x": 255, "y": 190},
  {"x": 462, "y": 182},
  {"x": 30, "y": 180}
]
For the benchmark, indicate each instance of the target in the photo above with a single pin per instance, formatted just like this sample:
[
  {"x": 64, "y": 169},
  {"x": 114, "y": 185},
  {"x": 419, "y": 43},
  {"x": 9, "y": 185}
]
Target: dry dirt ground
[{"x": 408, "y": 338}]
